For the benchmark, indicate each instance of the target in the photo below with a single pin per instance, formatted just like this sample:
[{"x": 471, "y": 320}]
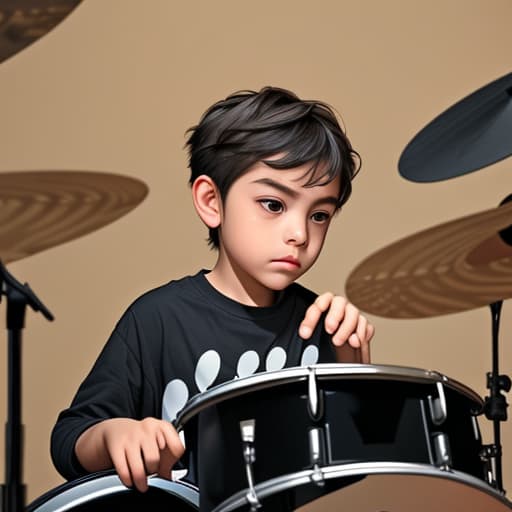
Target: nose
[{"x": 296, "y": 232}]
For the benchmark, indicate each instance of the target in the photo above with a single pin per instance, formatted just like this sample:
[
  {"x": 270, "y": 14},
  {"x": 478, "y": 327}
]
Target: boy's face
[{"x": 271, "y": 232}]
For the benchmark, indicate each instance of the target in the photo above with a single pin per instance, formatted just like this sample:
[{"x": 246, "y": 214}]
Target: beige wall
[{"x": 114, "y": 87}]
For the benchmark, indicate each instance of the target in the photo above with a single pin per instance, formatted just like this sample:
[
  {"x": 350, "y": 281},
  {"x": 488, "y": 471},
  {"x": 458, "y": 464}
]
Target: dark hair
[{"x": 248, "y": 127}]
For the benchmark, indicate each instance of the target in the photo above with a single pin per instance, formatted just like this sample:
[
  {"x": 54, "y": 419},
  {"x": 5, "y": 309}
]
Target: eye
[
  {"x": 272, "y": 205},
  {"x": 320, "y": 217}
]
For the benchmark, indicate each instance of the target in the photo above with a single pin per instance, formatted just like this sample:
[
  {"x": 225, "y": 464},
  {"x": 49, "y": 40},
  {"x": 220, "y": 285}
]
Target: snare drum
[
  {"x": 256, "y": 429},
  {"x": 104, "y": 492}
]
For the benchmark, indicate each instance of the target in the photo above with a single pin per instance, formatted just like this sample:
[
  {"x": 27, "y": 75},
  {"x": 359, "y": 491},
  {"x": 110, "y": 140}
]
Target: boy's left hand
[{"x": 351, "y": 332}]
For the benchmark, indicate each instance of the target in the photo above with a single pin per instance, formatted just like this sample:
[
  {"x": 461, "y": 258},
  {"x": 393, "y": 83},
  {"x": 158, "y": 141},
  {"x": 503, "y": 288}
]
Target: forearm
[{"x": 91, "y": 450}]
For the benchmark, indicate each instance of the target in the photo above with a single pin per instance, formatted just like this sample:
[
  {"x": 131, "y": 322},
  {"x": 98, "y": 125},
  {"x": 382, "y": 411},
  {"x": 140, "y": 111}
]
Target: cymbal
[
  {"x": 42, "y": 209},
  {"x": 473, "y": 133},
  {"x": 456, "y": 266},
  {"x": 24, "y": 21}
]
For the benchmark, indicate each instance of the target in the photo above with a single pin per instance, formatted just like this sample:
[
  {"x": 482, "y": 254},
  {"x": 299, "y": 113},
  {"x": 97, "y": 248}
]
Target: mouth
[{"x": 288, "y": 260}]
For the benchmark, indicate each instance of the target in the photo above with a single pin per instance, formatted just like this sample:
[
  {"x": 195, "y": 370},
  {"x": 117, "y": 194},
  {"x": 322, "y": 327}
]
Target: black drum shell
[{"x": 365, "y": 418}]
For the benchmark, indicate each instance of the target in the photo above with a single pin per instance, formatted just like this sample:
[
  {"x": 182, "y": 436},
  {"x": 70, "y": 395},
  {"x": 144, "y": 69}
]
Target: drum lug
[
  {"x": 315, "y": 402},
  {"x": 488, "y": 455},
  {"x": 317, "y": 477},
  {"x": 247, "y": 430},
  {"x": 476, "y": 429},
  {"x": 443, "y": 458},
  {"x": 317, "y": 454},
  {"x": 437, "y": 406}
]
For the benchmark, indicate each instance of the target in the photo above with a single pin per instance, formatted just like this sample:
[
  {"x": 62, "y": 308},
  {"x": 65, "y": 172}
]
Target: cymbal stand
[
  {"x": 18, "y": 297},
  {"x": 495, "y": 405}
]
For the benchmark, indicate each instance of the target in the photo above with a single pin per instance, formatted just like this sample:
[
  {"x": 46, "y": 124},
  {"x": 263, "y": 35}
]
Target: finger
[
  {"x": 354, "y": 341},
  {"x": 347, "y": 327},
  {"x": 358, "y": 338},
  {"x": 121, "y": 466},
  {"x": 370, "y": 331},
  {"x": 172, "y": 452},
  {"x": 173, "y": 441},
  {"x": 365, "y": 353},
  {"x": 137, "y": 469},
  {"x": 167, "y": 461},
  {"x": 362, "y": 324},
  {"x": 336, "y": 314},
  {"x": 150, "y": 456},
  {"x": 364, "y": 333},
  {"x": 365, "y": 347},
  {"x": 324, "y": 300},
  {"x": 313, "y": 314},
  {"x": 160, "y": 439}
]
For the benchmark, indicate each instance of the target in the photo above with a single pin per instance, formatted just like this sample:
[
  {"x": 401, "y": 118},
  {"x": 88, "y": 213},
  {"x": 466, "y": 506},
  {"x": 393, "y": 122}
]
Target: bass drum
[
  {"x": 371, "y": 487},
  {"x": 104, "y": 492}
]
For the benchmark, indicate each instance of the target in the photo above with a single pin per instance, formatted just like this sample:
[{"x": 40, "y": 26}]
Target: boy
[{"x": 268, "y": 173}]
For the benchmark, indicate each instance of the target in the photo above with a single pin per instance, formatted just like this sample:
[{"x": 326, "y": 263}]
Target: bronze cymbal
[
  {"x": 24, "y": 21},
  {"x": 42, "y": 209},
  {"x": 473, "y": 133},
  {"x": 455, "y": 266}
]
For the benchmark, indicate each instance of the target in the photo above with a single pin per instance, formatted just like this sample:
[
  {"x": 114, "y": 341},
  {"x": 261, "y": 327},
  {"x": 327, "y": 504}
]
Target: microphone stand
[
  {"x": 12, "y": 493},
  {"x": 495, "y": 405}
]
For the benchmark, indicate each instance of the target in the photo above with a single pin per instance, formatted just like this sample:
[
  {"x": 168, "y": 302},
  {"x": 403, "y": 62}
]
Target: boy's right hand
[{"x": 135, "y": 448}]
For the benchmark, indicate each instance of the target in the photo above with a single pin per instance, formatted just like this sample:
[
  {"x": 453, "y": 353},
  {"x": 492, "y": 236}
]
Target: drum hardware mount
[
  {"x": 438, "y": 415},
  {"x": 316, "y": 435},
  {"x": 317, "y": 441},
  {"x": 315, "y": 398},
  {"x": 488, "y": 457},
  {"x": 437, "y": 406},
  {"x": 247, "y": 431},
  {"x": 316, "y": 451},
  {"x": 443, "y": 458},
  {"x": 18, "y": 297},
  {"x": 495, "y": 405}
]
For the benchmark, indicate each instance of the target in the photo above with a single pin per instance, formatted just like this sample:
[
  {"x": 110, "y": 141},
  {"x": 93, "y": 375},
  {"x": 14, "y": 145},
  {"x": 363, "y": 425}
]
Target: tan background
[{"x": 114, "y": 87}]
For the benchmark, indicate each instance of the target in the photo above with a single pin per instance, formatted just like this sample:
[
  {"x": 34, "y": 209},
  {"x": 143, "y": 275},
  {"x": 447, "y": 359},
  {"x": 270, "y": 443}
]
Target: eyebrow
[{"x": 293, "y": 193}]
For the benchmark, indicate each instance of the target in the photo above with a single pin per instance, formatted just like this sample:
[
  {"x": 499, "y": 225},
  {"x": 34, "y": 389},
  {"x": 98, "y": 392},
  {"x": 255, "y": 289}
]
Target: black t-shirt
[{"x": 176, "y": 341}]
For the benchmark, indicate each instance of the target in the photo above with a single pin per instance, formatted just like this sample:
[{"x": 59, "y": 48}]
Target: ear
[{"x": 207, "y": 201}]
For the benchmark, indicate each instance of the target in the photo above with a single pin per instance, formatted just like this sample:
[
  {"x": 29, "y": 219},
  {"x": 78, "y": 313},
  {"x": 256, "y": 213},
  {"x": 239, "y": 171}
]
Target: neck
[{"x": 237, "y": 285}]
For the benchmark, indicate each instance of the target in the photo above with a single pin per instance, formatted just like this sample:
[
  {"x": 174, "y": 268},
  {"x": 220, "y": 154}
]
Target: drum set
[{"x": 327, "y": 437}]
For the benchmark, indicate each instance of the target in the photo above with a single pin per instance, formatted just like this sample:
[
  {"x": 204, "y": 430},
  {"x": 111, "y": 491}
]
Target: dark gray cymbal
[{"x": 473, "y": 133}]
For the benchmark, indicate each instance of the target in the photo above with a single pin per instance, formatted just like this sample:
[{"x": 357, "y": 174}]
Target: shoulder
[
  {"x": 160, "y": 305},
  {"x": 167, "y": 294}
]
